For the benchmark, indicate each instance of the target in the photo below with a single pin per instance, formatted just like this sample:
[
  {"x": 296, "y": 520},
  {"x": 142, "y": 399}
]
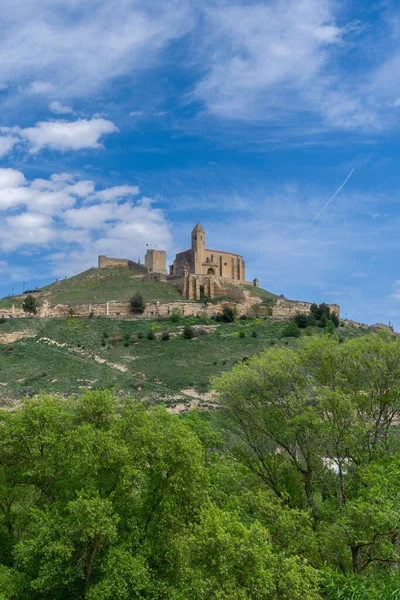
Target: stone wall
[
  {"x": 244, "y": 303},
  {"x": 105, "y": 261},
  {"x": 289, "y": 308}
]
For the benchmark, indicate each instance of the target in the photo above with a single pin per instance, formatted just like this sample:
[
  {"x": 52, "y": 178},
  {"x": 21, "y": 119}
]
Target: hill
[
  {"x": 73, "y": 354},
  {"x": 111, "y": 284}
]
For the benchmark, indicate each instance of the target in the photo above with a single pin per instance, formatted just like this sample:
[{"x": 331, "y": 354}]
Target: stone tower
[
  {"x": 198, "y": 247},
  {"x": 156, "y": 261}
]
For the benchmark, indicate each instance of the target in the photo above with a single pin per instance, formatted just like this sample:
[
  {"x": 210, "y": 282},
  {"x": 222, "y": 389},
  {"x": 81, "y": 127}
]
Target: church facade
[{"x": 199, "y": 260}]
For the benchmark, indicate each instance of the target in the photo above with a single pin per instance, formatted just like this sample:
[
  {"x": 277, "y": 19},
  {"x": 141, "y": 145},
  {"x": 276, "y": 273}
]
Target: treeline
[{"x": 290, "y": 491}]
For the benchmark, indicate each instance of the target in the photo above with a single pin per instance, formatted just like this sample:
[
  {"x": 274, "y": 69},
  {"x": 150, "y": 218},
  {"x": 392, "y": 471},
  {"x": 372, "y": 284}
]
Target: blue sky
[{"x": 124, "y": 123}]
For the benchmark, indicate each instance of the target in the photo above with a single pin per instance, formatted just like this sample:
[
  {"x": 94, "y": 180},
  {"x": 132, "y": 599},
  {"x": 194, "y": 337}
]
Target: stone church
[
  {"x": 200, "y": 260},
  {"x": 197, "y": 272}
]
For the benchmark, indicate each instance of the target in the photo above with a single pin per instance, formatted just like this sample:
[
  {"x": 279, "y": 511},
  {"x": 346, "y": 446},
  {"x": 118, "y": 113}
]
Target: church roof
[{"x": 198, "y": 227}]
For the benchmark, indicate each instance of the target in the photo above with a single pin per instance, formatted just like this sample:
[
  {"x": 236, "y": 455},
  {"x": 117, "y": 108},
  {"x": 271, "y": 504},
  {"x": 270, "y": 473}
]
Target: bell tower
[{"x": 198, "y": 247}]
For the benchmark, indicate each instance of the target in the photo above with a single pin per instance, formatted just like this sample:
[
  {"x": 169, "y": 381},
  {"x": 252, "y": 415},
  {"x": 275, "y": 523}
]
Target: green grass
[
  {"x": 160, "y": 368},
  {"x": 97, "y": 287}
]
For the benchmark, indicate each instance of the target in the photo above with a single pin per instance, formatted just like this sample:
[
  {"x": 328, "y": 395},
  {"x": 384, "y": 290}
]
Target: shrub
[
  {"x": 8, "y": 349},
  {"x": 2, "y": 320},
  {"x": 301, "y": 320},
  {"x": 243, "y": 318},
  {"x": 126, "y": 344},
  {"x": 137, "y": 304},
  {"x": 329, "y": 327},
  {"x": 140, "y": 335},
  {"x": 272, "y": 342},
  {"x": 71, "y": 312},
  {"x": 242, "y": 334},
  {"x": 105, "y": 334},
  {"x": 188, "y": 332},
  {"x": 176, "y": 316},
  {"x": 228, "y": 314},
  {"x": 116, "y": 339},
  {"x": 165, "y": 336},
  {"x": 291, "y": 330},
  {"x": 254, "y": 333},
  {"x": 151, "y": 335},
  {"x": 103, "y": 343},
  {"x": 91, "y": 315}
]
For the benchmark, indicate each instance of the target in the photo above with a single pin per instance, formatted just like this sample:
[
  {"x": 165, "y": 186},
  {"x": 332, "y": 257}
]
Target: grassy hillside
[
  {"x": 159, "y": 370},
  {"x": 94, "y": 286},
  {"x": 113, "y": 283}
]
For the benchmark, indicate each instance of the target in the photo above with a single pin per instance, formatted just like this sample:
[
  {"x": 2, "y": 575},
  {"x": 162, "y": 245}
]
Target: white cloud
[
  {"x": 396, "y": 291},
  {"x": 7, "y": 142},
  {"x": 57, "y": 135},
  {"x": 117, "y": 191},
  {"x": 73, "y": 221},
  {"x": 275, "y": 61},
  {"x": 60, "y": 109},
  {"x": 10, "y": 178},
  {"x": 64, "y": 135},
  {"x": 74, "y": 48}
]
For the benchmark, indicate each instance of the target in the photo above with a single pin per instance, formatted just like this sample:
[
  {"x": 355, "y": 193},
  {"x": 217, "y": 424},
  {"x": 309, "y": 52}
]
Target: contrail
[{"x": 327, "y": 204}]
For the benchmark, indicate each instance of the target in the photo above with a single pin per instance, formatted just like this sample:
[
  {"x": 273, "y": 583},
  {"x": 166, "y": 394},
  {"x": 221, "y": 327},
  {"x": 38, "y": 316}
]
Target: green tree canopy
[{"x": 29, "y": 305}]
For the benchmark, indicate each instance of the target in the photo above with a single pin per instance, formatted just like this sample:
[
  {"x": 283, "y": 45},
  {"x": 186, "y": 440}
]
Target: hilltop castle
[{"x": 196, "y": 271}]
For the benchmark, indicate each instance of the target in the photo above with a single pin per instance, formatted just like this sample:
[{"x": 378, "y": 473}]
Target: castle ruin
[{"x": 197, "y": 271}]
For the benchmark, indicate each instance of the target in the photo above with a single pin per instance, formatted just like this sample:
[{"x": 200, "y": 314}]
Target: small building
[{"x": 199, "y": 260}]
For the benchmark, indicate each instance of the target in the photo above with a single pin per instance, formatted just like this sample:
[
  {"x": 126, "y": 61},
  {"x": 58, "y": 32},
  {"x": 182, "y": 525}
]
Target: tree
[
  {"x": 137, "y": 304},
  {"x": 335, "y": 319},
  {"x": 301, "y": 320},
  {"x": 29, "y": 305},
  {"x": 316, "y": 426}
]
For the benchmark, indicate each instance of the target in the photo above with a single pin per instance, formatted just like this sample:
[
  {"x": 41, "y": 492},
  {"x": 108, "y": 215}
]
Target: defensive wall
[
  {"x": 105, "y": 261},
  {"x": 283, "y": 309}
]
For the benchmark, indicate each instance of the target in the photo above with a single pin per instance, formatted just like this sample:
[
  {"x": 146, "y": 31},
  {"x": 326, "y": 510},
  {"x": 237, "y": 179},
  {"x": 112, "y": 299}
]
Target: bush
[
  {"x": 301, "y": 320},
  {"x": 105, "y": 334},
  {"x": 243, "y": 318},
  {"x": 329, "y": 327},
  {"x": 2, "y": 320},
  {"x": 126, "y": 344},
  {"x": 242, "y": 334},
  {"x": 103, "y": 343},
  {"x": 140, "y": 335},
  {"x": 116, "y": 339},
  {"x": 9, "y": 349},
  {"x": 137, "y": 304},
  {"x": 151, "y": 335},
  {"x": 291, "y": 330},
  {"x": 188, "y": 332},
  {"x": 272, "y": 342},
  {"x": 91, "y": 315},
  {"x": 254, "y": 333},
  {"x": 227, "y": 315},
  {"x": 176, "y": 316},
  {"x": 165, "y": 336}
]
